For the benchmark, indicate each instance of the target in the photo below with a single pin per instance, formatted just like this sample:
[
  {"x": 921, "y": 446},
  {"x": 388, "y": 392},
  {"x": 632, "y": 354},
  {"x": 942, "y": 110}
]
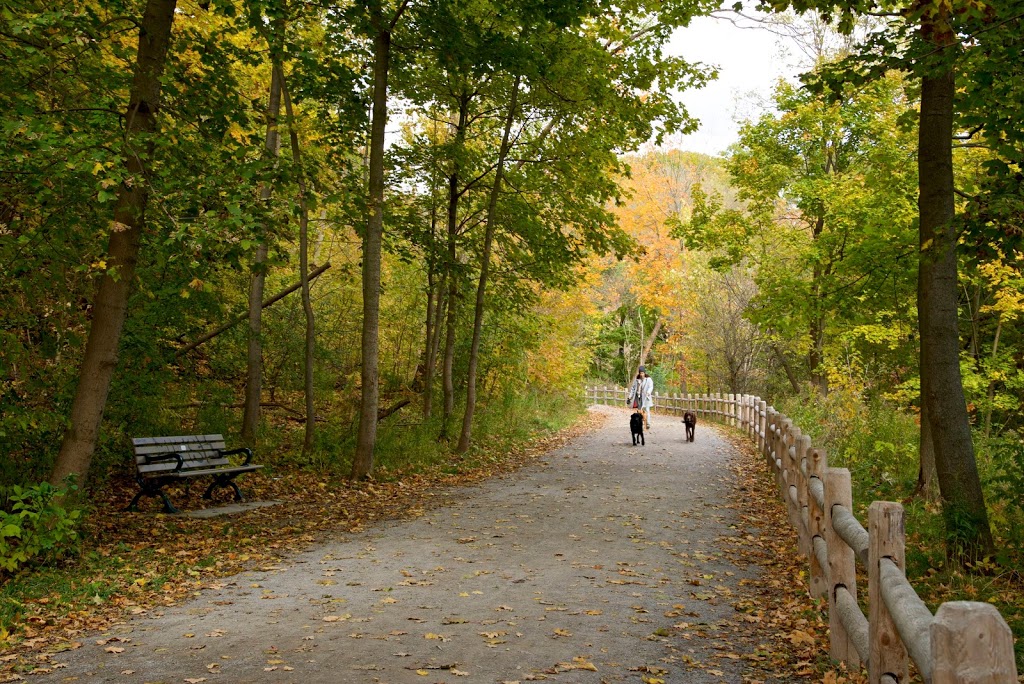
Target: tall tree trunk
[
  {"x": 485, "y": 263},
  {"x": 786, "y": 366},
  {"x": 448, "y": 381},
  {"x": 432, "y": 319},
  {"x": 648, "y": 345},
  {"x": 307, "y": 305},
  {"x": 362, "y": 462},
  {"x": 110, "y": 305},
  {"x": 254, "y": 361},
  {"x": 927, "y": 482},
  {"x": 817, "y": 326},
  {"x": 433, "y": 343},
  {"x": 968, "y": 536},
  {"x": 991, "y": 394}
]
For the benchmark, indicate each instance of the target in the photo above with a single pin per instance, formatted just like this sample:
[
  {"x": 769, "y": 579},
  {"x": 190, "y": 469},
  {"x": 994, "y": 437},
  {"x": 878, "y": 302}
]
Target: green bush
[{"x": 34, "y": 526}]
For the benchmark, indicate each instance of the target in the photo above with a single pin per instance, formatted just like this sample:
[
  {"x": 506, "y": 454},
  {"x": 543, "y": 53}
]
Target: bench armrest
[
  {"x": 169, "y": 456},
  {"x": 244, "y": 450}
]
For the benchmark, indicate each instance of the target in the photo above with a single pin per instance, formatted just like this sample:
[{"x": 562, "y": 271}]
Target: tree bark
[
  {"x": 991, "y": 394},
  {"x": 648, "y": 345},
  {"x": 433, "y": 344},
  {"x": 786, "y": 366},
  {"x": 927, "y": 482},
  {"x": 362, "y": 462},
  {"x": 433, "y": 318},
  {"x": 254, "y": 361},
  {"x": 307, "y": 305},
  {"x": 447, "y": 366},
  {"x": 110, "y": 305},
  {"x": 485, "y": 262},
  {"x": 968, "y": 536}
]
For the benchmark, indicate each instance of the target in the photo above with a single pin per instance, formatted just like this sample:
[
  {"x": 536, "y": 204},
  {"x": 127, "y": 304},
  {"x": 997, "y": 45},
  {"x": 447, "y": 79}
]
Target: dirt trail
[{"x": 603, "y": 563}]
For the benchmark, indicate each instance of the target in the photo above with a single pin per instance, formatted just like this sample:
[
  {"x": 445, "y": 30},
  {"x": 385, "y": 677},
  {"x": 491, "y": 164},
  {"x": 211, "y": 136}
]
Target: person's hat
[{"x": 642, "y": 369}]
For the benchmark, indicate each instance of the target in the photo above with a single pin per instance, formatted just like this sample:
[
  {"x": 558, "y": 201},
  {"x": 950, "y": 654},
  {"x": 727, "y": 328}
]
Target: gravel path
[{"x": 602, "y": 563}]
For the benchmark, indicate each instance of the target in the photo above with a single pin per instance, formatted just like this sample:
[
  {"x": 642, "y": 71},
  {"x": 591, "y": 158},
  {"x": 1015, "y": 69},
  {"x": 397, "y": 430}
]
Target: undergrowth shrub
[
  {"x": 874, "y": 439},
  {"x": 34, "y": 525}
]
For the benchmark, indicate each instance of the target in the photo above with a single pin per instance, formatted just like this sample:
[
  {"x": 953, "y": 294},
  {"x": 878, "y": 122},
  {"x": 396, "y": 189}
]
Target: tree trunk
[
  {"x": 254, "y": 362},
  {"x": 968, "y": 536},
  {"x": 307, "y": 305},
  {"x": 927, "y": 482},
  {"x": 110, "y": 306},
  {"x": 435, "y": 299},
  {"x": 362, "y": 462},
  {"x": 786, "y": 366},
  {"x": 433, "y": 345},
  {"x": 485, "y": 262},
  {"x": 448, "y": 363},
  {"x": 991, "y": 394},
  {"x": 648, "y": 345}
]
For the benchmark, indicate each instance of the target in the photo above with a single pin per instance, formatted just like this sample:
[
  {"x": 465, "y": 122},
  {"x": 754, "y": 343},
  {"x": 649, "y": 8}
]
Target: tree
[
  {"x": 922, "y": 38},
  {"x": 362, "y": 462},
  {"x": 129, "y": 220}
]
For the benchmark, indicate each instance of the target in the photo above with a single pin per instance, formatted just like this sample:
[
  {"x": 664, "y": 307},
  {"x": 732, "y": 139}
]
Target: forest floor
[{"x": 593, "y": 561}]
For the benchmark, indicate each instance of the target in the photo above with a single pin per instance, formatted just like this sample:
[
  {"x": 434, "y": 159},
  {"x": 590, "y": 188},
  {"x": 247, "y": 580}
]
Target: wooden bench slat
[
  {"x": 182, "y": 439},
  {"x": 205, "y": 454},
  {"x": 179, "y": 447},
  {"x": 165, "y": 466},
  {"x": 215, "y": 471}
]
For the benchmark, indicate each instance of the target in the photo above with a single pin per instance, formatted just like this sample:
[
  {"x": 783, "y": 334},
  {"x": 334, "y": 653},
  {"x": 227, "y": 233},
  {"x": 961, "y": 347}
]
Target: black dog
[
  {"x": 636, "y": 426},
  {"x": 691, "y": 422}
]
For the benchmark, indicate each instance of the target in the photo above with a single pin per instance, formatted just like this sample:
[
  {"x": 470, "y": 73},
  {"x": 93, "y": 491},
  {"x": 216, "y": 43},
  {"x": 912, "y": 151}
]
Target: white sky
[{"x": 749, "y": 61}]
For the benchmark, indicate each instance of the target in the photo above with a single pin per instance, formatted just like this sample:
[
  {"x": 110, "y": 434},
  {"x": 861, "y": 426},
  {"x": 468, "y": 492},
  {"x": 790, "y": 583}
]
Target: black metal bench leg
[
  {"x": 168, "y": 506},
  {"x": 223, "y": 482},
  {"x": 134, "y": 505},
  {"x": 152, "y": 491}
]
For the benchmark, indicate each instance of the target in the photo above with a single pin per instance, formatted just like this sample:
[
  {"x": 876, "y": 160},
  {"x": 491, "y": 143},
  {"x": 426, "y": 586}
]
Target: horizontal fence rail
[{"x": 964, "y": 641}]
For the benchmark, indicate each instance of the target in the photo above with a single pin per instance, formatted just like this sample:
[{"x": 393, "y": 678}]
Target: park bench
[{"x": 160, "y": 461}]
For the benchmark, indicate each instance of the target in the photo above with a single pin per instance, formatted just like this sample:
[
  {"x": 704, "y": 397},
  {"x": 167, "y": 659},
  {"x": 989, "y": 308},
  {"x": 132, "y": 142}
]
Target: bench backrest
[{"x": 197, "y": 451}]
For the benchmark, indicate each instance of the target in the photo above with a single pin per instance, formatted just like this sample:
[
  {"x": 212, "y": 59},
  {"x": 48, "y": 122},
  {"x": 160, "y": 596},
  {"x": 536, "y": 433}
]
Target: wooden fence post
[
  {"x": 748, "y": 414},
  {"x": 792, "y": 434},
  {"x": 803, "y": 528},
  {"x": 771, "y": 438},
  {"x": 816, "y": 465},
  {"x": 762, "y": 424},
  {"x": 792, "y": 456},
  {"x": 886, "y": 540},
  {"x": 971, "y": 644},
  {"x": 842, "y": 565}
]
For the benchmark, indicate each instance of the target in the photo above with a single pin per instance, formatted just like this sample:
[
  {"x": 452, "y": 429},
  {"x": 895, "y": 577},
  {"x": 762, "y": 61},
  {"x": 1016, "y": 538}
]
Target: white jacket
[{"x": 645, "y": 390}]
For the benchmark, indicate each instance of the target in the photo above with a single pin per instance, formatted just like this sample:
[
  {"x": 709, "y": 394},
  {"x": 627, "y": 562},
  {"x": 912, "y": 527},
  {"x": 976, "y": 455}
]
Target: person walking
[{"x": 641, "y": 395}]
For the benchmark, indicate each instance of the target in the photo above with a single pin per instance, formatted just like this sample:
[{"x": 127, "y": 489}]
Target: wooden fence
[{"x": 964, "y": 641}]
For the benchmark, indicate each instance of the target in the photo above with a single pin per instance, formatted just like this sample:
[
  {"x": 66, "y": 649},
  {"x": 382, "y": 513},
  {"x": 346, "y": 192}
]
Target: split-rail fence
[{"x": 964, "y": 641}]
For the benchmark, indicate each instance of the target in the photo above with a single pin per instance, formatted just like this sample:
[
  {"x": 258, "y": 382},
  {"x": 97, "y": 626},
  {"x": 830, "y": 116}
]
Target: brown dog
[{"x": 690, "y": 420}]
